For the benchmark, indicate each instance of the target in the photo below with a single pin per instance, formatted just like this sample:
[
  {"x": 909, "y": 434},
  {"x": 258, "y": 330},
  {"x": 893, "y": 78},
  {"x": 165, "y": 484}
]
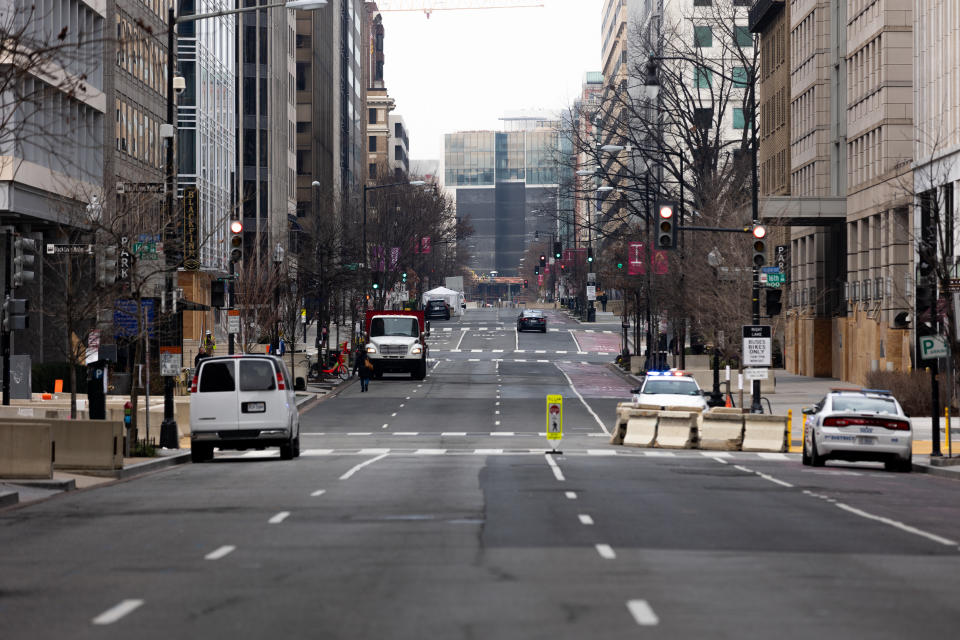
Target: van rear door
[
  {"x": 262, "y": 404},
  {"x": 214, "y": 405}
]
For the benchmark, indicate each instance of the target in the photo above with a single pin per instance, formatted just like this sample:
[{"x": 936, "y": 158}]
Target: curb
[
  {"x": 941, "y": 472},
  {"x": 9, "y": 498},
  {"x": 134, "y": 470},
  {"x": 310, "y": 404},
  {"x": 627, "y": 377},
  {"x": 52, "y": 484}
]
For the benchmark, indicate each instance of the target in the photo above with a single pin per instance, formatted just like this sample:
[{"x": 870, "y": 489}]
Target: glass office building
[{"x": 505, "y": 184}]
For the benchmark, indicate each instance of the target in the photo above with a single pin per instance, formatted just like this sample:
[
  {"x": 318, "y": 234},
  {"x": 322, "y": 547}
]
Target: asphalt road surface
[{"x": 429, "y": 509}]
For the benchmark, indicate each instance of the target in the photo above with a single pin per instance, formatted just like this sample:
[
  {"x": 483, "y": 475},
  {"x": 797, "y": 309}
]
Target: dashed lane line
[
  {"x": 606, "y": 551},
  {"x": 585, "y": 519},
  {"x": 114, "y": 613},
  {"x": 220, "y": 553},
  {"x": 554, "y": 467},
  {"x": 318, "y": 493},
  {"x": 280, "y": 517},
  {"x": 643, "y": 613}
]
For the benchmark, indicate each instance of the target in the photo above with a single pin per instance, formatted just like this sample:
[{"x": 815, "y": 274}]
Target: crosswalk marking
[{"x": 622, "y": 452}]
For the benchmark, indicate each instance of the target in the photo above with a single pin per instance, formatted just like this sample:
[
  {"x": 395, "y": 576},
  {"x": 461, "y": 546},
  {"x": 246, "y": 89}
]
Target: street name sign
[
  {"x": 933, "y": 347},
  {"x": 757, "y": 345},
  {"x": 57, "y": 249}
]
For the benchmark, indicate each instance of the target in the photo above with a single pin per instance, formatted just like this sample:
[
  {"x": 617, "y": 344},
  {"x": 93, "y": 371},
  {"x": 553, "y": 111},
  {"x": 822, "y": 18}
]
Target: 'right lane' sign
[{"x": 756, "y": 345}]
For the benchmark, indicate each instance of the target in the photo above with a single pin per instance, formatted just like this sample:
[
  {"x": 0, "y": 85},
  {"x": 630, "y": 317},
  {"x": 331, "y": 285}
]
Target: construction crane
[{"x": 429, "y": 6}]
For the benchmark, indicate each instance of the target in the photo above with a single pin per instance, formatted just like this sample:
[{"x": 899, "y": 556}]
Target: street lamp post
[{"x": 168, "y": 428}]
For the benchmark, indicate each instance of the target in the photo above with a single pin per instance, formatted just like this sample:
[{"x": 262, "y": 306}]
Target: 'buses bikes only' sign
[{"x": 756, "y": 345}]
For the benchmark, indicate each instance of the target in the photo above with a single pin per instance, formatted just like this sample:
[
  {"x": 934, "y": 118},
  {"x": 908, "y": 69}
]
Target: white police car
[
  {"x": 669, "y": 389},
  {"x": 856, "y": 425}
]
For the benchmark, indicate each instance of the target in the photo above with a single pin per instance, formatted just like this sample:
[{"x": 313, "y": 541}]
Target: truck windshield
[{"x": 399, "y": 326}]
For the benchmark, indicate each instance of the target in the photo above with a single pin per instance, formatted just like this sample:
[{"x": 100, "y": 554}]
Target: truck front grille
[{"x": 393, "y": 350}]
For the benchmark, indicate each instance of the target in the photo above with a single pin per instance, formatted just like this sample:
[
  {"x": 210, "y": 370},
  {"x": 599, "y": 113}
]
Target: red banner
[{"x": 638, "y": 256}]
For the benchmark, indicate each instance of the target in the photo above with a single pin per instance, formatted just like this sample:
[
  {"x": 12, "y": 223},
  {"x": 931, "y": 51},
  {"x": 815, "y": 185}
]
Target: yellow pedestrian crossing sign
[{"x": 554, "y": 417}]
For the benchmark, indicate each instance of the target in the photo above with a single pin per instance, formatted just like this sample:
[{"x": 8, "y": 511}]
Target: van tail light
[
  {"x": 193, "y": 384},
  {"x": 852, "y": 421},
  {"x": 280, "y": 384}
]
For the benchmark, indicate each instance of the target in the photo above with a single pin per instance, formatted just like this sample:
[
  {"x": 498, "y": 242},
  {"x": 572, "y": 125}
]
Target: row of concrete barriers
[
  {"x": 34, "y": 448},
  {"x": 720, "y": 429}
]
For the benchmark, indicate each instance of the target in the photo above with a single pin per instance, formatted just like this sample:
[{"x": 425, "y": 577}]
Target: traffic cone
[{"x": 729, "y": 402}]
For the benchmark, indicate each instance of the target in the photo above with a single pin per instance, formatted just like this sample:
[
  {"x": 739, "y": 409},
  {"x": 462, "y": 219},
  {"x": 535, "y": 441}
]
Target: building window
[
  {"x": 303, "y": 126},
  {"x": 303, "y": 72},
  {"x": 372, "y": 143},
  {"x": 702, "y": 78},
  {"x": 742, "y": 36},
  {"x": 739, "y": 118},
  {"x": 397, "y": 130},
  {"x": 372, "y": 170},
  {"x": 740, "y": 77},
  {"x": 303, "y": 41},
  {"x": 702, "y": 37},
  {"x": 303, "y": 162},
  {"x": 371, "y": 116}
]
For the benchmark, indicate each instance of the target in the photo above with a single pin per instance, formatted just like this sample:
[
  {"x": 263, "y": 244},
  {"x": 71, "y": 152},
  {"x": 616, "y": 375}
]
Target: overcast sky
[{"x": 461, "y": 70}]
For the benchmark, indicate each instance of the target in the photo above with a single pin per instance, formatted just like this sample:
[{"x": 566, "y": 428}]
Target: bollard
[
  {"x": 946, "y": 414},
  {"x": 128, "y": 425},
  {"x": 789, "y": 430}
]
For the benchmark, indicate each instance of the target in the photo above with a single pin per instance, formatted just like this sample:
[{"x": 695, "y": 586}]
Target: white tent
[{"x": 451, "y": 297}]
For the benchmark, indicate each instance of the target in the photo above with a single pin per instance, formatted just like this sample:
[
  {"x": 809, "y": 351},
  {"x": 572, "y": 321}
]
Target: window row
[
  {"x": 803, "y": 39},
  {"x": 773, "y": 114},
  {"x": 138, "y": 133},
  {"x": 773, "y": 52},
  {"x": 141, "y": 55},
  {"x": 703, "y": 36},
  {"x": 864, "y": 70},
  {"x": 865, "y": 156},
  {"x": 703, "y": 78}
]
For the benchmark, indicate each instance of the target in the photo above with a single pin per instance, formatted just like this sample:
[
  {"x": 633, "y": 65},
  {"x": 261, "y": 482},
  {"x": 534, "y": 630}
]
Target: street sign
[
  {"x": 756, "y": 374},
  {"x": 170, "y": 361},
  {"x": 140, "y": 187},
  {"x": 146, "y": 250},
  {"x": 233, "y": 321},
  {"x": 776, "y": 280},
  {"x": 554, "y": 419},
  {"x": 93, "y": 347},
  {"x": 933, "y": 347},
  {"x": 591, "y": 292},
  {"x": 757, "y": 345},
  {"x": 58, "y": 249},
  {"x": 591, "y": 278},
  {"x": 769, "y": 269}
]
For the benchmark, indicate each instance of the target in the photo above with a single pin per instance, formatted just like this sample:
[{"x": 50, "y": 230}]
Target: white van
[{"x": 243, "y": 402}]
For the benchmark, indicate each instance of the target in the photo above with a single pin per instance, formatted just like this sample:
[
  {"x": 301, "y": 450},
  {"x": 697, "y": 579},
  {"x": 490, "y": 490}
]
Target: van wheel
[
  {"x": 201, "y": 452},
  {"x": 286, "y": 450},
  {"x": 296, "y": 447}
]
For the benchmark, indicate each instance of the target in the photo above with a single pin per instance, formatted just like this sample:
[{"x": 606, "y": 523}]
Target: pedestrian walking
[
  {"x": 201, "y": 354},
  {"x": 363, "y": 367}
]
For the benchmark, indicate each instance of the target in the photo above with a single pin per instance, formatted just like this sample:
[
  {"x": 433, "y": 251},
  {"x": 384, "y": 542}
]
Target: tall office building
[
  {"x": 505, "y": 183},
  {"x": 399, "y": 147}
]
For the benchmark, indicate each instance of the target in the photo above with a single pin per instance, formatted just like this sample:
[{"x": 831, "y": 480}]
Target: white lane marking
[
  {"x": 555, "y": 467},
  {"x": 473, "y": 359},
  {"x": 483, "y": 328},
  {"x": 496, "y": 404},
  {"x": 898, "y": 525},
  {"x": 715, "y": 454},
  {"x": 543, "y": 361},
  {"x": 463, "y": 334},
  {"x": 764, "y": 476},
  {"x": 406, "y": 433},
  {"x": 606, "y": 551},
  {"x": 487, "y": 452},
  {"x": 540, "y": 351},
  {"x": 501, "y": 433},
  {"x": 516, "y": 340},
  {"x": 497, "y": 351},
  {"x": 430, "y": 452},
  {"x": 403, "y": 405},
  {"x": 372, "y": 452},
  {"x": 352, "y": 471},
  {"x": 660, "y": 454},
  {"x": 601, "y": 452},
  {"x": 393, "y": 415},
  {"x": 318, "y": 492},
  {"x": 595, "y": 416},
  {"x": 113, "y": 614},
  {"x": 720, "y": 460},
  {"x": 496, "y": 423},
  {"x": 454, "y": 350},
  {"x": 221, "y": 552},
  {"x": 386, "y": 424},
  {"x": 407, "y": 398},
  {"x": 476, "y": 350},
  {"x": 316, "y": 452},
  {"x": 435, "y": 364},
  {"x": 414, "y": 390},
  {"x": 773, "y": 456},
  {"x": 603, "y": 353},
  {"x": 519, "y": 360},
  {"x": 575, "y": 342},
  {"x": 585, "y": 519},
  {"x": 497, "y": 412},
  {"x": 642, "y": 613},
  {"x": 448, "y": 329},
  {"x": 571, "y": 495},
  {"x": 453, "y": 433},
  {"x": 560, "y": 352},
  {"x": 280, "y": 517},
  {"x": 358, "y": 433}
]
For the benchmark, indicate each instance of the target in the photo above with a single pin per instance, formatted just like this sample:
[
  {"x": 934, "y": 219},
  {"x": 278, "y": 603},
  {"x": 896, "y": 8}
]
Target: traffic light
[
  {"x": 650, "y": 71},
  {"x": 926, "y": 311},
  {"x": 543, "y": 260},
  {"x": 667, "y": 229},
  {"x": 589, "y": 254},
  {"x": 557, "y": 250},
  {"x": 236, "y": 241},
  {"x": 375, "y": 286},
  {"x": 23, "y": 259},
  {"x": 773, "y": 302},
  {"x": 619, "y": 264},
  {"x": 524, "y": 283},
  {"x": 15, "y": 314},
  {"x": 536, "y": 271},
  {"x": 759, "y": 245},
  {"x": 107, "y": 266},
  {"x": 403, "y": 277}
]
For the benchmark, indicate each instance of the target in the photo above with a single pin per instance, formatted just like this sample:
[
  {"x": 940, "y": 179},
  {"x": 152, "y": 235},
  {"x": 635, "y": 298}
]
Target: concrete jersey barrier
[
  {"x": 641, "y": 428},
  {"x": 677, "y": 429},
  {"x": 721, "y": 431},
  {"x": 26, "y": 450},
  {"x": 764, "y": 433},
  {"x": 88, "y": 444}
]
